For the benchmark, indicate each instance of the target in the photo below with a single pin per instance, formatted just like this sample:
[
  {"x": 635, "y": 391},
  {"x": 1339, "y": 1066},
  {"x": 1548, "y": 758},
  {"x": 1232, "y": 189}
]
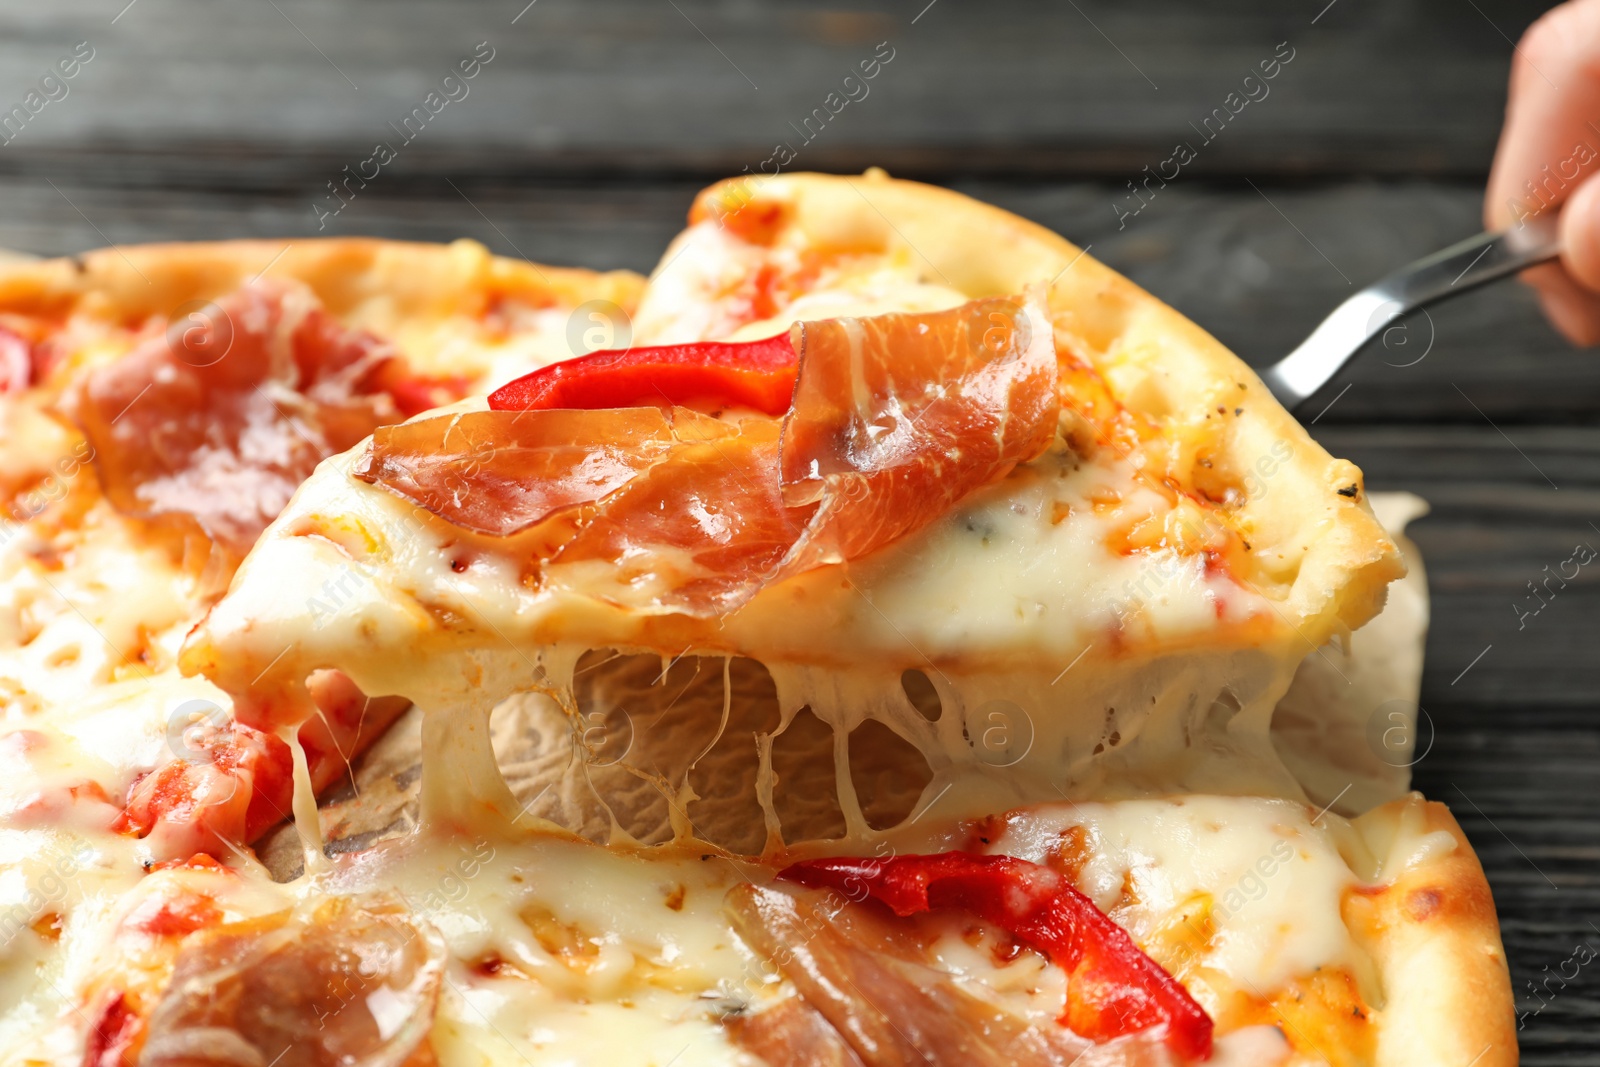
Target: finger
[
  {"x": 1570, "y": 291},
  {"x": 1551, "y": 138},
  {"x": 1580, "y": 235},
  {"x": 1573, "y": 310}
]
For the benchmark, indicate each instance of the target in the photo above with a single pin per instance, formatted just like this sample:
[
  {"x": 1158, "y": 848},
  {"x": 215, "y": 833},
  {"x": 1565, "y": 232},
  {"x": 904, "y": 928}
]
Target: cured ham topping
[
  {"x": 351, "y": 982},
  {"x": 898, "y": 417},
  {"x": 870, "y": 994},
  {"x": 755, "y": 374},
  {"x": 699, "y": 533},
  {"x": 1113, "y": 988},
  {"x": 500, "y": 472},
  {"x": 894, "y": 420},
  {"x": 792, "y": 1031},
  {"x": 223, "y": 416}
]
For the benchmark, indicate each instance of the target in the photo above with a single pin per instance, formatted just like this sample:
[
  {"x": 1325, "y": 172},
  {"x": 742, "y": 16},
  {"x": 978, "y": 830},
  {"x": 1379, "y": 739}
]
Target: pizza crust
[
  {"x": 419, "y": 296},
  {"x": 1433, "y": 933},
  {"x": 364, "y": 281}
]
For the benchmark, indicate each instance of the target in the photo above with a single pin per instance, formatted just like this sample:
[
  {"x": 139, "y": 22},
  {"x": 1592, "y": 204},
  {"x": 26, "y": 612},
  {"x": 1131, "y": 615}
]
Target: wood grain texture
[{"x": 710, "y": 86}]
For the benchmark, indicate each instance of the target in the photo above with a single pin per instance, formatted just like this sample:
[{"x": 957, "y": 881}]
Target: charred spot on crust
[
  {"x": 1423, "y": 904},
  {"x": 1352, "y": 491}
]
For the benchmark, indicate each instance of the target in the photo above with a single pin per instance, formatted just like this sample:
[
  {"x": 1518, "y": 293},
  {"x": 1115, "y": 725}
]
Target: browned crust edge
[
  {"x": 370, "y": 281},
  {"x": 1434, "y": 936}
]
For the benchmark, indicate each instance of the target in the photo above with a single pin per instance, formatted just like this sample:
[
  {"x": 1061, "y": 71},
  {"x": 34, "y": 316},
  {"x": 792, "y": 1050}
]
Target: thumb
[{"x": 1580, "y": 234}]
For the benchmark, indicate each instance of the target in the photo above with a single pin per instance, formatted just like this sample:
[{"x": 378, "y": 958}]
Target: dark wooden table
[{"x": 584, "y": 137}]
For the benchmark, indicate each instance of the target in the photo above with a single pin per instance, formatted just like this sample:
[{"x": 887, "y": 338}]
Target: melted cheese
[
  {"x": 58, "y": 890},
  {"x": 465, "y": 348},
  {"x": 564, "y": 949},
  {"x": 1011, "y": 573},
  {"x": 565, "y": 952},
  {"x": 1271, "y": 880},
  {"x": 85, "y": 607},
  {"x": 704, "y": 270}
]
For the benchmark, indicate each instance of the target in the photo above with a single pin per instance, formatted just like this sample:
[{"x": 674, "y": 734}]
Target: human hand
[{"x": 1549, "y": 159}]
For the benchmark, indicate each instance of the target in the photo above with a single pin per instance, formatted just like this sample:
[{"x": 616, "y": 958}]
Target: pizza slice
[{"x": 1115, "y": 579}]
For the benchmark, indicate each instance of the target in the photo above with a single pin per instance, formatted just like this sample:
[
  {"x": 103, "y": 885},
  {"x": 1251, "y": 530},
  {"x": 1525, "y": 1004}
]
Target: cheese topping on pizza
[
  {"x": 714, "y": 658},
  {"x": 552, "y": 946}
]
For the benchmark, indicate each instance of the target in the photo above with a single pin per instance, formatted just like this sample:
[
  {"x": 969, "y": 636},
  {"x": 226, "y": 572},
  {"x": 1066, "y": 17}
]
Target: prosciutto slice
[
  {"x": 895, "y": 419},
  {"x": 878, "y": 993},
  {"x": 698, "y": 533},
  {"x": 352, "y": 982},
  {"x": 223, "y": 416},
  {"x": 500, "y": 472}
]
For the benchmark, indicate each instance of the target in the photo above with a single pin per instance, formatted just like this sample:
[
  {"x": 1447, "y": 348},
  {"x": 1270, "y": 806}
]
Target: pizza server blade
[{"x": 1476, "y": 261}]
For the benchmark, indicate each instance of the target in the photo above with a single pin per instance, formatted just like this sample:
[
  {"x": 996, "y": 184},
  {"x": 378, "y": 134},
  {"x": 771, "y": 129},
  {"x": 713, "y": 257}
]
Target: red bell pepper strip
[
  {"x": 1113, "y": 988},
  {"x": 757, "y": 374}
]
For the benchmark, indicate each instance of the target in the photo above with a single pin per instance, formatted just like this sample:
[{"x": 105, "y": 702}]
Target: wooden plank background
[{"x": 585, "y": 136}]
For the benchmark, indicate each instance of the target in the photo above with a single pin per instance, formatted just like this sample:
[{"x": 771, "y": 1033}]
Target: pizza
[{"x": 901, "y": 640}]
